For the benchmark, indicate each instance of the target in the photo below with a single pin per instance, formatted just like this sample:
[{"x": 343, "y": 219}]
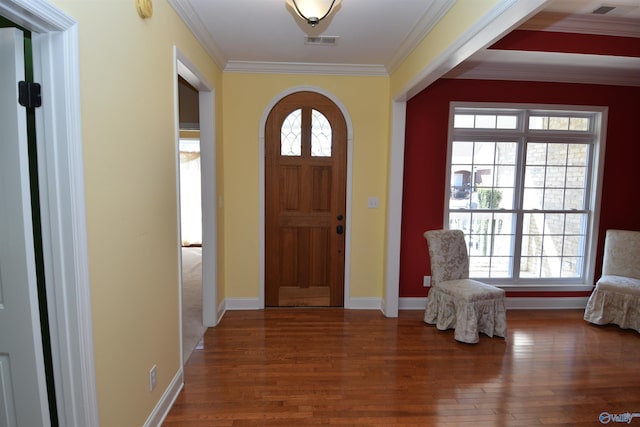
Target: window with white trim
[{"x": 522, "y": 188}]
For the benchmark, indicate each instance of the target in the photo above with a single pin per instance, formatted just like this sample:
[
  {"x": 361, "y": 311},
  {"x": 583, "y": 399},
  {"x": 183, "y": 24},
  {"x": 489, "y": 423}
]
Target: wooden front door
[{"x": 305, "y": 195}]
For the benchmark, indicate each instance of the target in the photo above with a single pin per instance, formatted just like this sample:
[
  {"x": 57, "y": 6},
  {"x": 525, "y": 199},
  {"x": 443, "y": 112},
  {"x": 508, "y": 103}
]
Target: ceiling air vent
[
  {"x": 603, "y": 10},
  {"x": 321, "y": 40}
]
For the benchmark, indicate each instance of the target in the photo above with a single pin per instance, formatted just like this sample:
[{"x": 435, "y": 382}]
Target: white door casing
[
  {"x": 54, "y": 39},
  {"x": 23, "y": 396}
]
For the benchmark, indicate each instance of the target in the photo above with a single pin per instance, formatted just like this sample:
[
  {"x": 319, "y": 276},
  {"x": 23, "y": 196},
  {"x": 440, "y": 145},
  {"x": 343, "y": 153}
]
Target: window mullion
[{"x": 518, "y": 204}]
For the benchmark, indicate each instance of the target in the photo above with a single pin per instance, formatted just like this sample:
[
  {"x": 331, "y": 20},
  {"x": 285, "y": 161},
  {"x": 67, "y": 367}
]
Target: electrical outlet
[
  {"x": 152, "y": 378},
  {"x": 426, "y": 282}
]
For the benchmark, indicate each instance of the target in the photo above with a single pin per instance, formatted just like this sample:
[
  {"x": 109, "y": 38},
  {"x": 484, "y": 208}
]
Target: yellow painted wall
[
  {"x": 247, "y": 97},
  {"x": 460, "y": 18},
  {"x": 127, "y": 99}
]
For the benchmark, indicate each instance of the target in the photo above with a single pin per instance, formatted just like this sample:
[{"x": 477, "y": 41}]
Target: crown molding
[
  {"x": 190, "y": 17},
  {"x": 37, "y": 15},
  {"x": 428, "y": 20},
  {"x": 259, "y": 67},
  {"x": 583, "y": 24},
  {"x": 549, "y": 67}
]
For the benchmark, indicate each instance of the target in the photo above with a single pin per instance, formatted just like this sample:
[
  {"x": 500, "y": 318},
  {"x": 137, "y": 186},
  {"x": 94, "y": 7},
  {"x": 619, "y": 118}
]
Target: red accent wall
[{"x": 426, "y": 152}]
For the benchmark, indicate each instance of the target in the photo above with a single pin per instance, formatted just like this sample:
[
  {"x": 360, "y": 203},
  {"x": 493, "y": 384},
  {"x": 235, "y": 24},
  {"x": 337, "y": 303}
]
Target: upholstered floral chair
[
  {"x": 455, "y": 301},
  {"x": 616, "y": 298}
]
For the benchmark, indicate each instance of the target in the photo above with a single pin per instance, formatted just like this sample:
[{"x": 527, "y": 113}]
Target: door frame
[
  {"x": 262, "y": 171},
  {"x": 64, "y": 230},
  {"x": 206, "y": 103}
]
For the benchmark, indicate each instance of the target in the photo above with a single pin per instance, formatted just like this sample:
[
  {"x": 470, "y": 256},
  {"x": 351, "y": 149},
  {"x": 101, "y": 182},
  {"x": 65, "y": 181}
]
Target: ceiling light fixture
[{"x": 311, "y": 10}]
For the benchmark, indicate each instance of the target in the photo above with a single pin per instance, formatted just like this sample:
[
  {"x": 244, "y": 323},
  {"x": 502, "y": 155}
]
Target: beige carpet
[{"x": 192, "y": 327}]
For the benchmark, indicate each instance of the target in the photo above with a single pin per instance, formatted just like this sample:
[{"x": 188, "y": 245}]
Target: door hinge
[{"x": 29, "y": 94}]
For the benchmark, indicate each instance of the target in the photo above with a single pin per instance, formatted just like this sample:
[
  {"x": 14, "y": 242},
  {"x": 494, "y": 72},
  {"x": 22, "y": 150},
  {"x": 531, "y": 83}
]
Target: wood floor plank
[{"x": 299, "y": 367}]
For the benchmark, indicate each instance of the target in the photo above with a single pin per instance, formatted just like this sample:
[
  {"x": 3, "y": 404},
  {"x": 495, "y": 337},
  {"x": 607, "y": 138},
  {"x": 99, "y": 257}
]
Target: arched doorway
[{"x": 305, "y": 202}]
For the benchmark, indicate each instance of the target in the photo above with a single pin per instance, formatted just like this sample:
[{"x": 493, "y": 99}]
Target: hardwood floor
[{"x": 299, "y": 367}]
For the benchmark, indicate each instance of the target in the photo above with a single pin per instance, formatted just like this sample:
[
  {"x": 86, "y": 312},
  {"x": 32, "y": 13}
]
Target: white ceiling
[
  {"x": 376, "y": 35},
  {"x": 373, "y": 34}
]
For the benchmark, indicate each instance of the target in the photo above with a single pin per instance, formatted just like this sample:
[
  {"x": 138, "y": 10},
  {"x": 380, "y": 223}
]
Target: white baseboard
[
  {"x": 364, "y": 304},
  {"x": 254, "y": 304},
  {"x": 539, "y": 303},
  {"x": 222, "y": 308},
  {"x": 165, "y": 403},
  {"x": 417, "y": 303},
  {"x": 525, "y": 303},
  {"x": 242, "y": 304}
]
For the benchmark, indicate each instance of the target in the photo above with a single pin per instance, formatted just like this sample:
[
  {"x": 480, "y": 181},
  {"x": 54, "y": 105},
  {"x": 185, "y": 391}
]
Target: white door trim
[
  {"x": 64, "y": 231},
  {"x": 206, "y": 95},
  {"x": 261, "y": 174},
  {"x": 394, "y": 209}
]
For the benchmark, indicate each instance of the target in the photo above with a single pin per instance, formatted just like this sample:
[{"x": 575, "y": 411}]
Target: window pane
[
  {"x": 529, "y": 267},
  {"x": 320, "y": 135},
  {"x": 504, "y": 176},
  {"x": 557, "y": 154},
  {"x": 551, "y": 267},
  {"x": 533, "y": 225},
  {"x": 576, "y": 177},
  {"x": 579, "y": 123},
  {"x": 460, "y": 186},
  {"x": 460, "y": 221},
  {"x": 507, "y": 122},
  {"x": 484, "y": 152},
  {"x": 485, "y": 121},
  {"x": 574, "y": 223},
  {"x": 558, "y": 123},
  {"x": 462, "y": 152},
  {"x": 291, "y": 134},
  {"x": 502, "y": 245},
  {"x": 554, "y": 177},
  {"x": 553, "y": 199},
  {"x": 574, "y": 199},
  {"x": 489, "y": 198},
  {"x": 506, "y": 153},
  {"x": 534, "y": 177},
  {"x": 577, "y": 155},
  {"x": 536, "y": 154},
  {"x": 572, "y": 246},
  {"x": 500, "y": 267},
  {"x": 532, "y": 198},
  {"x": 571, "y": 267},
  {"x": 507, "y": 199},
  {"x": 479, "y": 240},
  {"x": 479, "y": 266},
  {"x": 463, "y": 121},
  {"x": 537, "y": 123}
]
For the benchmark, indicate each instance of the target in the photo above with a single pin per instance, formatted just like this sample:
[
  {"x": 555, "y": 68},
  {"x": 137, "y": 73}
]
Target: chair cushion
[
  {"x": 620, "y": 284},
  {"x": 621, "y": 252},
  {"x": 470, "y": 290}
]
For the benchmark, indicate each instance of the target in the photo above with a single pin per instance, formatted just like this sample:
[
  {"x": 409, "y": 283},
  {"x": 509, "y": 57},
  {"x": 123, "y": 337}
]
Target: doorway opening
[
  {"x": 196, "y": 181},
  {"x": 190, "y": 178}
]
